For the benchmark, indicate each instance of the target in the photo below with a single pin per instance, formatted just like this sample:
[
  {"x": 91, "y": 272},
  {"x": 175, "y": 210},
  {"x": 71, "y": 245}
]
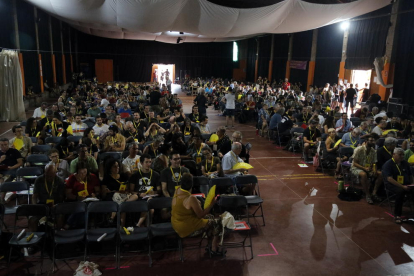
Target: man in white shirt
[
  {"x": 232, "y": 158},
  {"x": 40, "y": 112},
  {"x": 382, "y": 114},
  {"x": 78, "y": 127},
  {"x": 379, "y": 129},
  {"x": 230, "y": 106},
  {"x": 131, "y": 164},
  {"x": 100, "y": 128},
  {"x": 104, "y": 102}
]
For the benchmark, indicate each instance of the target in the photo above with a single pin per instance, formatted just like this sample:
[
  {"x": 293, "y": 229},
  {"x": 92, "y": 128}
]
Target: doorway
[
  {"x": 160, "y": 73},
  {"x": 359, "y": 78},
  {"x": 104, "y": 70}
]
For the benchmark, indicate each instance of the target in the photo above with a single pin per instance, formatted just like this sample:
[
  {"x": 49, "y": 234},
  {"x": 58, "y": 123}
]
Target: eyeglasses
[
  {"x": 54, "y": 156},
  {"x": 176, "y": 159},
  {"x": 237, "y": 138}
]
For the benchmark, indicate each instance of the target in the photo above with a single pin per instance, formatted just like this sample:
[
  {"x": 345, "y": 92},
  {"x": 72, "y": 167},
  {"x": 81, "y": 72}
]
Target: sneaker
[{"x": 369, "y": 200}]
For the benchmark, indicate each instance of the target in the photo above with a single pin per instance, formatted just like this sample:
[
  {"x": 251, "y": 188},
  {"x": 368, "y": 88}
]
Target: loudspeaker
[
  {"x": 397, "y": 109},
  {"x": 395, "y": 100}
]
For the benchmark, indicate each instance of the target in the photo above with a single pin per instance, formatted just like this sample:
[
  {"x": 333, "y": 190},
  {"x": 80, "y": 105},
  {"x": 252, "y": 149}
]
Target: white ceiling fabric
[{"x": 200, "y": 20}]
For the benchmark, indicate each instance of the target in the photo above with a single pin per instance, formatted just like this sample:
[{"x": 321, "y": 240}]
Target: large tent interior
[{"x": 309, "y": 231}]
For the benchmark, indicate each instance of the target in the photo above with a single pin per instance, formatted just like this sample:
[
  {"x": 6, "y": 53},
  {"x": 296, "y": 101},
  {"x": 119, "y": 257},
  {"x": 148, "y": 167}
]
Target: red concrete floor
[{"x": 313, "y": 232}]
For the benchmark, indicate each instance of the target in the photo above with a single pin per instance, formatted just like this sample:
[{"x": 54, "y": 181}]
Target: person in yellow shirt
[
  {"x": 188, "y": 218},
  {"x": 22, "y": 143}
]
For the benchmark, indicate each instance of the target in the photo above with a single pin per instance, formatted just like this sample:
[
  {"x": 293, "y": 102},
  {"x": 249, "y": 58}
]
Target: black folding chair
[
  {"x": 206, "y": 136},
  {"x": 37, "y": 160},
  {"x": 36, "y": 210},
  {"x": 34, "y": 139},
  {"x": 74, "y": 139},
  {"x": 346, "y": 166},
  {"x": 201, "y": 184},
  {"x": 255, "y": 199},
  {"x": 139, "y": 233},
  {"x": 93, "y": 234},
  {"x": 42, "y": 149},
  {"x": 67, "y": 236},
  {"x": 53, "y": 140},
  {"x": 29, "y": 173},
  {"x": 380, "y": 142},
  {"x": 2, "y": 211},
  {"x": 297, "y": 131},
  {"x": 163, "y": 229},
  {"x": 238, "y": 206},
  {"x": 191, "y": 166},
  {"x": 115, "y": 155},
  {"x": 19, "y": 188},
  {"x": 224, "y": 185}
]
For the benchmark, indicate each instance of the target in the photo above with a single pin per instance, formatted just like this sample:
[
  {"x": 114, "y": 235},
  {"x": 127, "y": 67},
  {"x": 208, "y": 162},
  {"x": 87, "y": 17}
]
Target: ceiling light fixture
[{"x": 345, "y": 25}]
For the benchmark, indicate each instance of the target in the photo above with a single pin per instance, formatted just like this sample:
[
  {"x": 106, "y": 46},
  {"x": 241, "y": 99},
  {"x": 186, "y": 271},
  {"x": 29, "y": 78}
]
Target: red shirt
[
  {"x": 286, "y": 86},
  {"x": 76, "y": 186}
]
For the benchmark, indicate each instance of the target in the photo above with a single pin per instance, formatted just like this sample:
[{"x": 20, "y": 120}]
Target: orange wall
[{"x": 240, "y": 73}]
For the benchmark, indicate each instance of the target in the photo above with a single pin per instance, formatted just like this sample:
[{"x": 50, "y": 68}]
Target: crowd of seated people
[
  {"x": 122, "y": 144},
  {"x": 326, "y": 114},
  {"x": 156, "y": 138}
]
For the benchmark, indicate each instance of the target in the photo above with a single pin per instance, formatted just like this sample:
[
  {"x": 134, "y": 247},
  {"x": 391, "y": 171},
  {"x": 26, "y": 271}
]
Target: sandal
[{"x": 398, "y": 220}]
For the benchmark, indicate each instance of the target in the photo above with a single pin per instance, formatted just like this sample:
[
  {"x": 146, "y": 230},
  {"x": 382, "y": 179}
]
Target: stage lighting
[
  {"x": 179, "y": 39},
  {"x": 345, "y": 25}
]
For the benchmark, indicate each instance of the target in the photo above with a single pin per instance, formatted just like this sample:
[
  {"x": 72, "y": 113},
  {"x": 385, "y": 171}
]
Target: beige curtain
[{"x": 11, "y": 87}]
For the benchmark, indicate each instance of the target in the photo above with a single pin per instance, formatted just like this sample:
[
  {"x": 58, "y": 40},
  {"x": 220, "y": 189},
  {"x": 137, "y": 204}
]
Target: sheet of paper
[{"x": 303, "y": 165}]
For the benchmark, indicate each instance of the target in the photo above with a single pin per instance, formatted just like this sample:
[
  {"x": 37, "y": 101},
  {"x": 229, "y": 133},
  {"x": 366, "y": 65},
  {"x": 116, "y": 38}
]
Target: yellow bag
[
  {"x": 338, "y": 142},
  {"x": 388, "y": 130},
  {"x": 214, "y": 138},
  {"x": 210, "y": 197},
  {"x": 18, "y": 143},
  {"x": 411, "y": 159},
  {"x": 242, "y": 165}
]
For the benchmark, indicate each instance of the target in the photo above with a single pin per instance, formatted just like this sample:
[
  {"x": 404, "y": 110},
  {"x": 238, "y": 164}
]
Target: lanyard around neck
[{"x": 397, "y": 166}]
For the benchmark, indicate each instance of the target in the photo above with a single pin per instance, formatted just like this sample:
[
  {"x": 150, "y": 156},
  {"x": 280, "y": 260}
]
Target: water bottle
[{"x": 340, "y": 186}]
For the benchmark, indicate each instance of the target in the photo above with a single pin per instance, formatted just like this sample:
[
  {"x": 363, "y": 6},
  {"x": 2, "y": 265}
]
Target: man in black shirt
[
  {"x": 155, "y": 97},
  {"x": 145, "y": 183},
  {"x": 385, "y": 153},
  {"x": 310, "y": 136},
  {"x": 394, "y": 124},
  {"x": 138, "y": 123},
  {"x": 397, "y": 176},
  {"x": 194, "y": 116},
  {"x": 10, "y": 161},
  {"x": 46, "y": 122},
  {"x": 171, "y": 176},
  {"x": 365, "y": 94},
  {"x": 350, "y": 94}
]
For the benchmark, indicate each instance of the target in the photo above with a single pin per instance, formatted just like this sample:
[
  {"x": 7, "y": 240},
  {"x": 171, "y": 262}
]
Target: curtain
[
  {"x": 404, "y": 54},
  {"x": 328, "y": 55},
  {"x": 280, "y": 55},
  {"x": 133, "y": 59},
  {"x": 301, "y": 50},
  {"x": 264, "y": 56},
  {"x": 11, "y": 87},
  {"x": 366, "y": 40},
  {"x": 251, "y": 59}
]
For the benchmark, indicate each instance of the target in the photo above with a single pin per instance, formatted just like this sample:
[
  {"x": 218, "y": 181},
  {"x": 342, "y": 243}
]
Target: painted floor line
[{"x": 5, "y": 132}]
